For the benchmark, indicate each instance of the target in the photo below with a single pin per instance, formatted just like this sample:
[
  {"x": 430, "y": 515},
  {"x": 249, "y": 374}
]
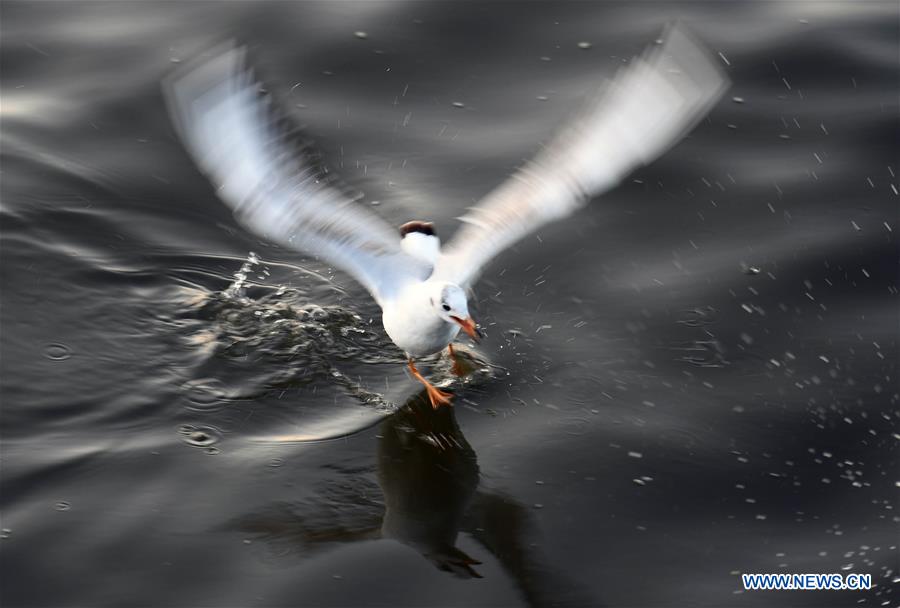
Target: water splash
[
  {"x": 280, "y": 325},
  {"x": 236, "y": 289},
  {"x": 255, "y": 343}
]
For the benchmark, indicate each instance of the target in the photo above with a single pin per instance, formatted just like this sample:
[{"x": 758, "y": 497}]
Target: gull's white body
[
  {"x": 237, "y": 137},
  {"x": 411, "y": 321}
]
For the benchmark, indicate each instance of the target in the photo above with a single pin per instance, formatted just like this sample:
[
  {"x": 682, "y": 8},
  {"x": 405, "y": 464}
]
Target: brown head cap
[{"x": 417, "y": 226}]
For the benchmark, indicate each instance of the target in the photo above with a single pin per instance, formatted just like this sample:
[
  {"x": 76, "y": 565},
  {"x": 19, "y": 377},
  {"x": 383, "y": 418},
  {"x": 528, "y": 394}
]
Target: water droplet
[
  {"x": 276, "y": 462},
  {"x": 698, "y": 317},
  {"x": 737, "y": 99},
  {"x": 200, "y": 436},
  {"x": 584, "y": 45},
  {"x": 5, "y": 533},
  {"x": 361, "y": 35},
  {"x": 458, "y": 104},
  {"x": 57, "y": 352},
  {"x": 62, "y": 506}
]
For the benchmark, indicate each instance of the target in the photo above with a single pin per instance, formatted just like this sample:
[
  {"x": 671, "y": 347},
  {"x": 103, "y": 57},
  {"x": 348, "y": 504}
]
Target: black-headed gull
[{"x": 279, "y": 190}]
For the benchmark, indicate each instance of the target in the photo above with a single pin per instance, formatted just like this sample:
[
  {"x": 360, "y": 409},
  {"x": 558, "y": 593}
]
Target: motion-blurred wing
[
  {"x": 276, "y": 187},
  {"x": 647, "y": 108}
]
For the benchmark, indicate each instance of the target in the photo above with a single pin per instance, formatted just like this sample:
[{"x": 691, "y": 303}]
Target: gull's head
[{"x": 452, "y": 305}]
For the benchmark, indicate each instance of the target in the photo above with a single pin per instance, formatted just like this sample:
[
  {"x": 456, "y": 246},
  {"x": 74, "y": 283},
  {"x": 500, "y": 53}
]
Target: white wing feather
[
  {"x": 647, "y": 108},
  {"x": 275, "y": 187}
]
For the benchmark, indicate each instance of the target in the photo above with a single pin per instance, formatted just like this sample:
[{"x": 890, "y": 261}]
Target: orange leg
[
  {"x": 435, "y": 395},
  {"x": 457, "y": 368}
]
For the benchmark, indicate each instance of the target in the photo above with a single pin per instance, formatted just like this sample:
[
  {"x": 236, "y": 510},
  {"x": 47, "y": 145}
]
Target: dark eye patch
[{"x": 446, "y": 307}]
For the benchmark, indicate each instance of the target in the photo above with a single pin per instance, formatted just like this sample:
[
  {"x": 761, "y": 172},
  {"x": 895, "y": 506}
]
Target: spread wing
[
  {"x": 647, "y": 108},
  {"x": 276, "y": 186}
]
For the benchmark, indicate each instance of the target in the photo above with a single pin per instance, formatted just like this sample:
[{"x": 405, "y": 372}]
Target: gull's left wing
[
  {"x": 276, "y": 187},
  {"x": 646, "y": 109}
]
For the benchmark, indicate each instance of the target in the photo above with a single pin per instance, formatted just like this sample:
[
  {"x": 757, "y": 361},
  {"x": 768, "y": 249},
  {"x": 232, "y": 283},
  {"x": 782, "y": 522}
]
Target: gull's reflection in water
[
  {"x": 424, "y": 493},
  {"x": 428, "y": 473}
]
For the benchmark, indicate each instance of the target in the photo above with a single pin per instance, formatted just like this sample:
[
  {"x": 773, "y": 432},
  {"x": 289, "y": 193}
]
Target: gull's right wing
[
  {"x": 646, "y": 109},
  {"x": 277, "y": 188}
]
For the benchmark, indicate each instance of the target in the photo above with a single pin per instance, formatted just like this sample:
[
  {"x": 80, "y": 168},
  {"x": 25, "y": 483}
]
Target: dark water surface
[{"x": 695, "y": 377}]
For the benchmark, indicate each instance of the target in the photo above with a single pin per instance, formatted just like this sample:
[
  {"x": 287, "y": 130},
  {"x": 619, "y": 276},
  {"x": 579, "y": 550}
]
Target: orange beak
[{"x": 468, "y": 326}]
